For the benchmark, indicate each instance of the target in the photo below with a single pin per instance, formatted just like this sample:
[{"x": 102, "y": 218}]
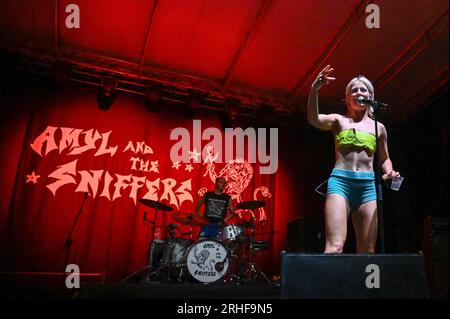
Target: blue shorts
[
  {"x": 356, "y": 187},
  {"x": 209, "y": 231}
]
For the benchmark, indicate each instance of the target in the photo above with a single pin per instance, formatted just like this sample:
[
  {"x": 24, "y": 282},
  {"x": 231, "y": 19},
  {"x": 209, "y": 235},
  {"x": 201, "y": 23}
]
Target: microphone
[{"x": 373, "y": 103}]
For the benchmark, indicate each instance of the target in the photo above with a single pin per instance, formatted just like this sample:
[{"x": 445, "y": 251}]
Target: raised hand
[{"x": 323, "y": 78}]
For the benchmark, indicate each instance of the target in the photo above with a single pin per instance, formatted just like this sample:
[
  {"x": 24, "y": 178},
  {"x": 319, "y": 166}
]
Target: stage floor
[
  {"x": 55, "y": 288},
  {"x": 157, "y": 290}
]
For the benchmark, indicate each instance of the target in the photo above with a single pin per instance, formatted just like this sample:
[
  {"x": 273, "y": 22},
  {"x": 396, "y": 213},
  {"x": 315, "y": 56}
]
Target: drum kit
[{"x": 227, "y": 258}]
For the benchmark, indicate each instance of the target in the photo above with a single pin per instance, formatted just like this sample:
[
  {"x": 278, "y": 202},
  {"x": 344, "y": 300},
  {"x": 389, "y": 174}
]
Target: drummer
[{"x": 217, "y": 203}]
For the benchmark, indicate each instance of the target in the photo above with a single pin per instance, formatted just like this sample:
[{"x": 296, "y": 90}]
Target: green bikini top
[{"x": 357, "y": 138}]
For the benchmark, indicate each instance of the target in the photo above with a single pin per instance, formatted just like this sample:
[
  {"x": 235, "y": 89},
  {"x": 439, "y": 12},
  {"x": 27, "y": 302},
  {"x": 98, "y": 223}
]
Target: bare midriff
[{"x": 352, "y": 158}]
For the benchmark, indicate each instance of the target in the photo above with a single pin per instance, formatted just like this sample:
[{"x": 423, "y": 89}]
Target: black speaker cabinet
[{"x": 353, "y": 276}]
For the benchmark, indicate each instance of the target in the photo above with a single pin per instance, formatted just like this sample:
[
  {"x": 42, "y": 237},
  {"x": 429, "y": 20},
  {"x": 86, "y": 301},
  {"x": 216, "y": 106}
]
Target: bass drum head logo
[{"x": 207, "y": 261}]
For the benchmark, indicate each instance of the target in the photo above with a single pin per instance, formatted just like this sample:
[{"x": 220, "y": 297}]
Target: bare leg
[
  {"x": 336, "y": 214},
  {"x": 365, "y": 223}
]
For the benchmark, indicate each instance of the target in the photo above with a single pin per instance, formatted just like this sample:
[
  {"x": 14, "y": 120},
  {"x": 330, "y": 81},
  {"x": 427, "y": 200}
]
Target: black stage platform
[
  {"x": 158, "y": 290},
  {"x": 54, "y": 287}
]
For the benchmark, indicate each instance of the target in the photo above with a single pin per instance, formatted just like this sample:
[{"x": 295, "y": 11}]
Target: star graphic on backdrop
[
  {"x": 154, "y": 166},
  {"x": 194, "y": 155},
  {"x": 32, "y": 178},
  {"x": 188, "y": 168},
  {"x": 176, "y": 165}
]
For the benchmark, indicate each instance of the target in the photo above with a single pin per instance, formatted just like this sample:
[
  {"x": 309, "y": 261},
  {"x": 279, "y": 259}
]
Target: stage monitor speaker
[{"x": 353, "y": 276}]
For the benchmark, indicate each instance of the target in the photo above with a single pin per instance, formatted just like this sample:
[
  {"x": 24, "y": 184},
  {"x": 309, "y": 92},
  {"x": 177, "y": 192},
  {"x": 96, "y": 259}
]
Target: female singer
[{"x": 351, "y": 186}]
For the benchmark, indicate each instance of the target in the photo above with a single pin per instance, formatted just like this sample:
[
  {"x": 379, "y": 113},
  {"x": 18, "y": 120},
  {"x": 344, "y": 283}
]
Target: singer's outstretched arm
[{"x": 320, "y": 121}]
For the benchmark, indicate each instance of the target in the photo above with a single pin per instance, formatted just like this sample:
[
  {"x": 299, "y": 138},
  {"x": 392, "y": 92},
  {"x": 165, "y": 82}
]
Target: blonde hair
[{"x": 368, "y": 85}]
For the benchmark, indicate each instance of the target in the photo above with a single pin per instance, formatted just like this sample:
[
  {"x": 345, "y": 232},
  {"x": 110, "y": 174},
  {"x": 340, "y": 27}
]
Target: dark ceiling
[{"x": 262, "y": 52}]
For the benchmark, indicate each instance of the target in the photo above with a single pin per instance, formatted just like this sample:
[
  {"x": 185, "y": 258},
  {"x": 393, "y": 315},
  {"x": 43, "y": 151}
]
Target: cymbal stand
[
  {"x": 254, "y": 271},
  {"x": 165, "y": 266},
  {"x": 154, "y": 228},
  {"x": 147, "y": 277}
]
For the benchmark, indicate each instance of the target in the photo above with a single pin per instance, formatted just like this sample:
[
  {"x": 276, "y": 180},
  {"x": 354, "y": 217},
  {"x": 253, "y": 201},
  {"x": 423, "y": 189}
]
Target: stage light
[
  {"x": 153, "y": 100},
  {"x": 228, "y": 118},
  {"x": 194, "y": 102},
  {"x": 106, "y": 93},
  {"x": 266, "y": 114},
  {"x": 225, "y": 121},
  {"x": 62, "y": 73},
  {"x": 231, "y": 107}
]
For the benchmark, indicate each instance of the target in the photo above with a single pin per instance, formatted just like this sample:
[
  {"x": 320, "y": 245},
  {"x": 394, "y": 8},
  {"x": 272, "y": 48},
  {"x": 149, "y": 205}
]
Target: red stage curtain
[{"x": 111, "y": 235}]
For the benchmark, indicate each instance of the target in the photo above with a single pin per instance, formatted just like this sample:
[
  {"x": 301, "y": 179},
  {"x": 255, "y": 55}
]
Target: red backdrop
[{"x": 111, "y": 236}]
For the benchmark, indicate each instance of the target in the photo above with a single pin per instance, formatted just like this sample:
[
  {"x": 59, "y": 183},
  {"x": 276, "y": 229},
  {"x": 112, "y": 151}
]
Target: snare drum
[
  {"x": 207, "y": 261},
  {"x": 230, "y": 234}
]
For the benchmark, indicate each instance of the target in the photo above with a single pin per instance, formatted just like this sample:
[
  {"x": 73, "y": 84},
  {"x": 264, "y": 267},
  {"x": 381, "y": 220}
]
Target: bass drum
[{"x": 207, "y": 261}]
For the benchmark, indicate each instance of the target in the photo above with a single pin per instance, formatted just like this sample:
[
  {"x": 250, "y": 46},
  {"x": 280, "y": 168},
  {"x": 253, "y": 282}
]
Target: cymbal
[
  {"x": 156, "y": 205},
  {"x": 190, "y": 219},
  {"x": 251, "y": 204}
]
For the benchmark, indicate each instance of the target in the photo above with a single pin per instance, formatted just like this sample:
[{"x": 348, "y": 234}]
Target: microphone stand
[
  {"x": 68, "y": 242},
  {"x": 378, "y": 185},
  {"x": 155, "y": 219}
]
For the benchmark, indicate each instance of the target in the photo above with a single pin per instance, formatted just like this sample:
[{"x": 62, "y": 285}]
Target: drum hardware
[
  {"x": 174, "y": 256},
  {"x": 190, "y": 219},
  {"x": 247, "y": 224},
  {"x": 259, "y": 245},
  {"x": 253, "y": 272},
  {"x": 229, "y": 258},
  {"x": 251, "y": 205},
  {"x": 189, "y": 233},
  {"x": 248, "y": 270},
  {"x": 171, "y": 229},
  {"x": 157, "y": 206}
]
